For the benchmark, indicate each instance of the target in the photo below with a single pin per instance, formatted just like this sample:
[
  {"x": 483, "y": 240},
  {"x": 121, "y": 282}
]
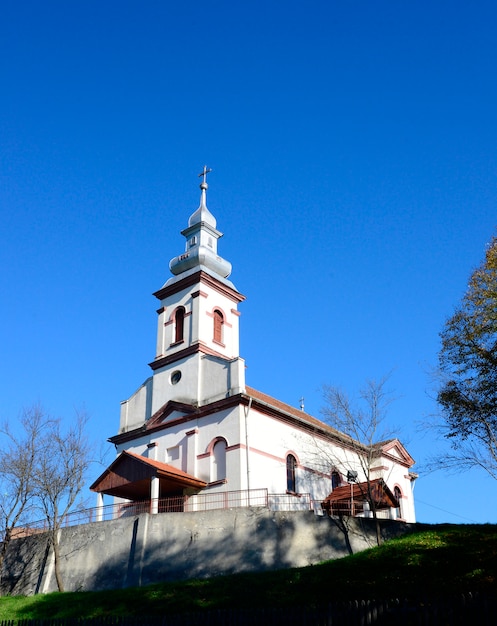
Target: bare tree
[
  {"x": 60, "y": 475},
  {"x": 364, "y": 426},
  {"x": 20, "y": 446}
]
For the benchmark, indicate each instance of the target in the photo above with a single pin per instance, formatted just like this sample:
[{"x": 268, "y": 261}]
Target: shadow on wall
[
  {"x": 203, "y": 545},
  {"x": 146, "y": 549},
  {"x": 24, "y": 565}
]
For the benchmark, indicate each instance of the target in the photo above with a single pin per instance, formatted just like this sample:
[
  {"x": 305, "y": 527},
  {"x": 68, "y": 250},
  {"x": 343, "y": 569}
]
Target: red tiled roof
[
  {"x": 297, "y": 413},
  {"x": 129, "y": 475},
  {"x": 380, "y": 447},
  {"x": 379, "y": 490},
  {"x": 165, "y": 469}
]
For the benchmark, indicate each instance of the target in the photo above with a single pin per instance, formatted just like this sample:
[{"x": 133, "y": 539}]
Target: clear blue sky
[{"x": 353, "y": 147}]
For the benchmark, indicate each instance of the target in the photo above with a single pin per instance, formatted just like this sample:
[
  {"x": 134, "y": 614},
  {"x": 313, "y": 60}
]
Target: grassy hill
[{"x": 441, "y": 560}]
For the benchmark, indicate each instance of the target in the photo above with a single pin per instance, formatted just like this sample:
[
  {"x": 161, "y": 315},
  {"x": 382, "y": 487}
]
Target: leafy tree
[
  {"x": 364, "y": 425},
  {"x": 468, "y": 365}
]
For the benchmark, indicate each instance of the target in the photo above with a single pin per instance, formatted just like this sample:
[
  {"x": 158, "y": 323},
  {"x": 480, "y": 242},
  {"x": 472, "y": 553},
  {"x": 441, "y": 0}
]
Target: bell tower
[{"x": 197, "y": 357}]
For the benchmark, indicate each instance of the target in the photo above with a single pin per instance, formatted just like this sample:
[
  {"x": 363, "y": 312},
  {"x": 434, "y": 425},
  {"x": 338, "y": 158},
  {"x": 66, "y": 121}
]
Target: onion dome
[{"x": 201, "y": 241}]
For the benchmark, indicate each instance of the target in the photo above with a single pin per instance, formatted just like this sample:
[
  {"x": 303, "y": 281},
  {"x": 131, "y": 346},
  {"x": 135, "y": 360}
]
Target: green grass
[{"x": 439, "y": 561}]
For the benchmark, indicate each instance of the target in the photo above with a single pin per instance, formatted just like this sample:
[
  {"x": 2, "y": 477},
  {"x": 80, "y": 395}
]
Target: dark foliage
[{"x": 468, "y": 364}]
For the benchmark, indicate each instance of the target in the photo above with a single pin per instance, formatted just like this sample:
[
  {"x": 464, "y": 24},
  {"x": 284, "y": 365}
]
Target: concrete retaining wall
[{"x": 147, "y": 548}]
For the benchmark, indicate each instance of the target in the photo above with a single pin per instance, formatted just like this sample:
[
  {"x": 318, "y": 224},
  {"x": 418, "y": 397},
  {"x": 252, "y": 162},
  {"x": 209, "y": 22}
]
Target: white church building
[{"x": 195, "y": 436}]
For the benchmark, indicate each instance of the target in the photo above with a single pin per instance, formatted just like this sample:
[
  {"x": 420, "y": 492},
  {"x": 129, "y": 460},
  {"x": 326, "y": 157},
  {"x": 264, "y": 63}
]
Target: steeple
[
  {"x": 197, "y": 358},
  {"x": 201, "y": 241},
  {"x": 202, "y": 214}
]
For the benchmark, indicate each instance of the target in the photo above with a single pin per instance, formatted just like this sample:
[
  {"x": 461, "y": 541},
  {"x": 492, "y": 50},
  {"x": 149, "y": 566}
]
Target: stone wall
[{"x": 145, "y": 549}]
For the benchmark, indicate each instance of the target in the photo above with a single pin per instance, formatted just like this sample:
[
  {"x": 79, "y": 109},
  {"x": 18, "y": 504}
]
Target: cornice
[
  {"x": 314, "y": 427},
  {"x": 191, "y": 413},
  {"x": 194, "y": 279},
  {"x": 243, "y": 399},
  {"x": 181, "y": 354}
]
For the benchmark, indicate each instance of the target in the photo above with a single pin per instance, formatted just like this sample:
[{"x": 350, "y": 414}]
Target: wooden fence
[{"x": 459, "y": 610}]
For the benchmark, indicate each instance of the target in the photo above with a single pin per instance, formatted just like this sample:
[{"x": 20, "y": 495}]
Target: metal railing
[
  {"x": 354, "y": 509},
  {"x": 290, "y": 502},
  {"x": 188, "y": 504},
  {"x": 206, "y": 502},
  {"x": 179, "y": 504}
]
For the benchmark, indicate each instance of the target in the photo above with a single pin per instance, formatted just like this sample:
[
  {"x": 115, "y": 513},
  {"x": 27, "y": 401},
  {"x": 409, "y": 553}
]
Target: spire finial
[
  {"x": 204, "y": 186},
  {"x": 204, "y": 173}
]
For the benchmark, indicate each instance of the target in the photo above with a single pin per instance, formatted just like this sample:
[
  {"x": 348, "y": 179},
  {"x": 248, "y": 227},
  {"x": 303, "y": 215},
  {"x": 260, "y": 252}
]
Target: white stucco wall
[
  {"x": 199, "y": 302},
  {"x": 397, "y": 475},
  {"x": 256, "y": 454},
  {"x": 137, "y": 409},
  {"x": 180, "y": 438},
  {"x": 257, "y": 442},
  {"x": 271, "y": 440},
  {"x": 204, "y": 379}
]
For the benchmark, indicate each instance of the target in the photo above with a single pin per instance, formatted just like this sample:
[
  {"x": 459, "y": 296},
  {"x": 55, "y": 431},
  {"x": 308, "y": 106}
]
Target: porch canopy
[
  {"x": 357, "y": 493},
  {"x": 130, "y": 477}
]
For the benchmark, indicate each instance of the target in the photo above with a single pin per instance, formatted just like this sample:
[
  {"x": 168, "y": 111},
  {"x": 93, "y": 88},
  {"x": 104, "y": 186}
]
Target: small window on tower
[
  {"x": 192, "y": 242},
  {"x": 218, "y": 326},
  {"x": 179, "y": 324}
]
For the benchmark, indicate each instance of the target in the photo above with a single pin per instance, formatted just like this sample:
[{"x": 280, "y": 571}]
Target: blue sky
[{"x": 354, "y": 176}]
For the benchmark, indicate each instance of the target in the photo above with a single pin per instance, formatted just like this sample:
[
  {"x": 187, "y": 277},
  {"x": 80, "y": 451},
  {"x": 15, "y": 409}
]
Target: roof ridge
[{"x": 299, "y": 413}]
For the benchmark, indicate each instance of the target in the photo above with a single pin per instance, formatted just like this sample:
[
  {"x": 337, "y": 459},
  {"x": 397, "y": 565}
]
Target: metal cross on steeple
[{"x": 204, "y": 173}]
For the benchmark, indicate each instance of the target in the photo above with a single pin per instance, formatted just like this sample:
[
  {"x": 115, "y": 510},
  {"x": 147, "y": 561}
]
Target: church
[{"x": 194, "y": 436}]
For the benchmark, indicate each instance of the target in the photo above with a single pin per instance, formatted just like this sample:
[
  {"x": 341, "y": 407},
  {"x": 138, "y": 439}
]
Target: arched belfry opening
[
  {"x": 179, "y": 324},
  {"x": 218, "y": 326}
]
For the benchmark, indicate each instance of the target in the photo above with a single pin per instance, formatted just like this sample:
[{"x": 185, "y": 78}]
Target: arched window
[
  {"x": 218, "y": 467},
  {"x": 218, "y": 326},
  {"x": 291, "y": 464},
  {"x": 335, "y": 480},
  {"x": 398, "y": 496},
  {"x": 179, "y": 324}
]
